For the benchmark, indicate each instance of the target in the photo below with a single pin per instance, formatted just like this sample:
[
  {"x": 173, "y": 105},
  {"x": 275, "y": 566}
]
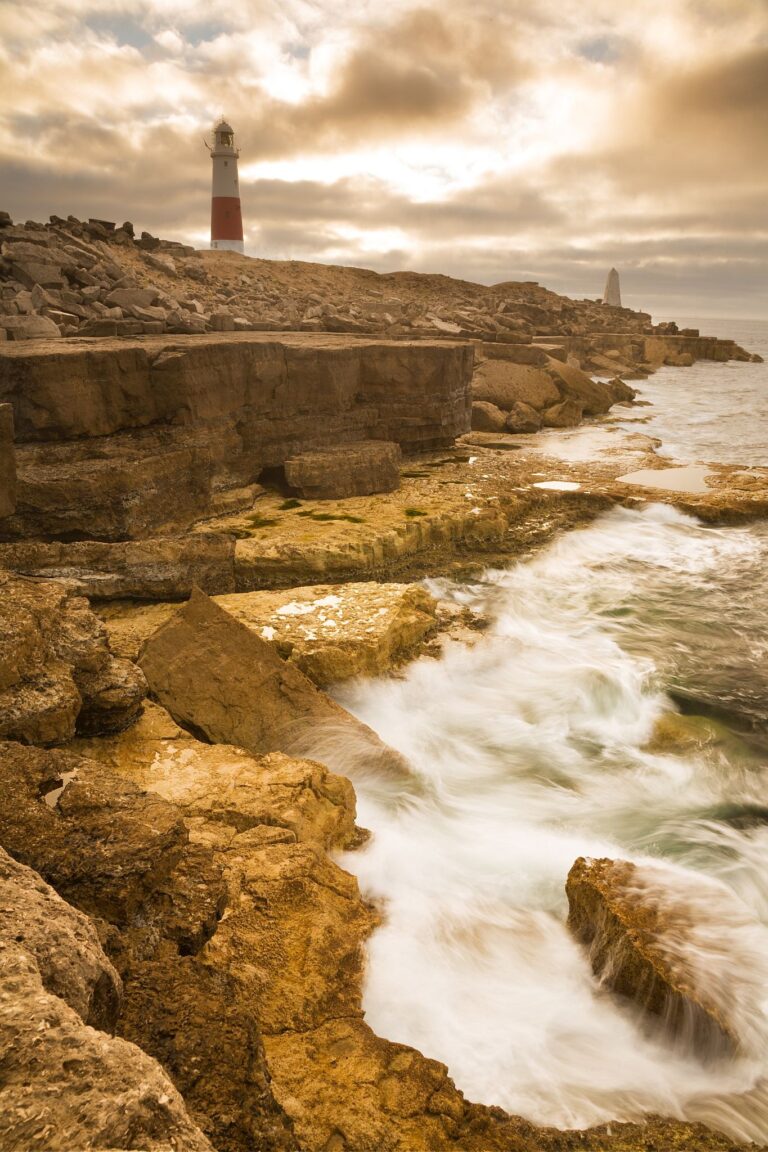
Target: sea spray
[{"x": 536, "y": 745}]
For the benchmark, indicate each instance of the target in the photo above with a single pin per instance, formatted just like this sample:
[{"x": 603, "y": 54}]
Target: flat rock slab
[
  {"x": 331, "y": 632},
  {"x": 681, "y": 947},
  {"x": 357, "y": 469},
  {"x": 216, "y": 677}
]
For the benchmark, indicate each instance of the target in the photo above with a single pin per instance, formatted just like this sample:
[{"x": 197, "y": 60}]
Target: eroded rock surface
[
  {"x": 56, "y": 671},
  {"x": 62, "y": 942},
  {"x": 66, "y": 1085},
  {"x": 217, "y": 677}
]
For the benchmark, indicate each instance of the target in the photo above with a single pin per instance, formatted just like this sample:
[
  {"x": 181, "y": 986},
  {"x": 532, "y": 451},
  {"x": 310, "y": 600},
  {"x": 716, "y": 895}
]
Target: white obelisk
[{"x": 612, "y": 294}]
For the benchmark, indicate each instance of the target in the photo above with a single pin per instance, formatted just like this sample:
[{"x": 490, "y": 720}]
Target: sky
[{"x": 487, "y": 139}]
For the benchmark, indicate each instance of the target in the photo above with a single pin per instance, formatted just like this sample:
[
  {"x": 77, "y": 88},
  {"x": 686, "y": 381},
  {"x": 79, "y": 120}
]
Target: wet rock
[
  {"x": 215, "y": 676},
  {"x": 487, "y": 417},
  {"x": 505, "y": 384},
  {"x": 62, "y": 942},
  {"x": 56, "y": 670},
  {"x": 66, "y": 1085},
  {"x": 567, "y": 414},
  {"x": 621, "y": 392},
  {"x": 357, "y": 469},
  {"x": 646, "y": 932}
]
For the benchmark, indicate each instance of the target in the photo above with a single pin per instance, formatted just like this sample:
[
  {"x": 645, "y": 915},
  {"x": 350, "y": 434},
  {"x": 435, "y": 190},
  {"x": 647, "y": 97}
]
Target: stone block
[
  {"x": 357, "y": 469},
  {"x": 30, "y": 328},
  {"x": 47, "y": 275}
]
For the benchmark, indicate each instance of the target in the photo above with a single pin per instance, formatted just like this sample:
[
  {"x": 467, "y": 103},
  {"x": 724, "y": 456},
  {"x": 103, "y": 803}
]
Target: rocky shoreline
[{"x": 184, "y": 568}]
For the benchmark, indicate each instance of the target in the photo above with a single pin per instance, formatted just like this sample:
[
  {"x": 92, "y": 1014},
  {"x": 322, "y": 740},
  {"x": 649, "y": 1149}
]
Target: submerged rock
[{"x": 683, "y": 952}]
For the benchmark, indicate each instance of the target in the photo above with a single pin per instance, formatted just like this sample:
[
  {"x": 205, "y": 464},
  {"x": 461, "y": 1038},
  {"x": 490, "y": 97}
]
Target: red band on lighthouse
[{"x": 226, "y": 218}]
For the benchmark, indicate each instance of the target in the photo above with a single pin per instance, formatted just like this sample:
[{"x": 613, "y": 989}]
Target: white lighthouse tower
[{"x": 226, "y": 217}]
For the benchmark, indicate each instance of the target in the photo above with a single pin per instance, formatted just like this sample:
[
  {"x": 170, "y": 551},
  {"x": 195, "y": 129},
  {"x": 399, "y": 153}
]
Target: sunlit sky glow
[{"x": 488, "y": 139}]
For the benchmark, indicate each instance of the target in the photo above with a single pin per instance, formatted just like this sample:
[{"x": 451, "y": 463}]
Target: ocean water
[
  {"x": 712, "y": 412},
  {"x": 534, "y": 746}
]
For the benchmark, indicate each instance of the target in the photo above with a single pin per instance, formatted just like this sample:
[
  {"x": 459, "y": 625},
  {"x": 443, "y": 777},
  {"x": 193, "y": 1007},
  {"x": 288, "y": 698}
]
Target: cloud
[{"x": 539, "y": 138}]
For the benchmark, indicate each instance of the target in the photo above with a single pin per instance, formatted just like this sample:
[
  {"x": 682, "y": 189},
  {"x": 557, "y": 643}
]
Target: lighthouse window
[{"x": 226, "y": 163}]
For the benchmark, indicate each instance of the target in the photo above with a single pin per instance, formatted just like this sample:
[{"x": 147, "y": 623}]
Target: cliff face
[{"x": 119, "y": 440}]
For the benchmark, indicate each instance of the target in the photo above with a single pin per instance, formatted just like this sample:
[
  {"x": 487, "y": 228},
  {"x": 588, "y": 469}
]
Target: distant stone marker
[{"x": 612, "y": 294}]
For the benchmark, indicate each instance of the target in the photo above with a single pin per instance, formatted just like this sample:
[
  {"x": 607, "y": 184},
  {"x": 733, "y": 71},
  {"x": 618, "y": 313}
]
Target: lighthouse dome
[{"x": 223, "y": 126}]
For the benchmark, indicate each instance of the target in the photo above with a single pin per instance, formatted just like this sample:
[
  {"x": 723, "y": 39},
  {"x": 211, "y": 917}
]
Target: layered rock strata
[
  {"x": 357, "y": 469},
  {"x": 118, "y": 441}
]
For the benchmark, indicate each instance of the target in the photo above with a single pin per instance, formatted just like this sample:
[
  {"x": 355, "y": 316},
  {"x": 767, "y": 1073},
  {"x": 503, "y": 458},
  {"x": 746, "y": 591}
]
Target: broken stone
[{"x": 357, "y": 469}]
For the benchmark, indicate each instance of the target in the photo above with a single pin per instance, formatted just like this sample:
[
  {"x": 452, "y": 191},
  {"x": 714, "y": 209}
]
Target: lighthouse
[{"x": 226, "y": 217}]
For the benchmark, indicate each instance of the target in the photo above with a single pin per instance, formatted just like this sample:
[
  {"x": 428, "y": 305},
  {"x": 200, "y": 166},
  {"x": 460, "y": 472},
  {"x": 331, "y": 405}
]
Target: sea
[{"x": 538, "y": 743}]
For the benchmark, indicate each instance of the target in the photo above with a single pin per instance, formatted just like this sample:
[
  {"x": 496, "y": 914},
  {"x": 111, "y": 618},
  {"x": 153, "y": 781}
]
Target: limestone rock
[
  {"x": 30, "y": 328},
  {"x": 357, "y": 469},
  {"x": 621, "y": 392},
  {"x": 523, "y": 418},
  {"x": 7, "y": 462},
  {"x": 56, "y": 670},
  {"x": 102, "y": 843},
  {"x": 330, "y": 632},
  {"x": 648, "y": 932},
  {"x": 62, "y": 942},
  {"x": 594, "y": 396},
  {"x": 119, "y": 441},
  {"x": 567, "y": 414},
  {"x": 504, "y": 384},
  {"x": 217, "y": 677},
  {"x": 487, "y": 417},
  {"x": 65, "y": 1085},
  {"x": 162, "y": 568}
]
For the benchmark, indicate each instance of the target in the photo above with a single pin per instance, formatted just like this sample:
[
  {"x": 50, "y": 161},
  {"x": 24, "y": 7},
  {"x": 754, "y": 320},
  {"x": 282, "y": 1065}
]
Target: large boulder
[
  {"x": 567, "y": 414},
  {"x": 504, "y": 383},
  {"x": 357, "y": 469},
  {"x": 487, "y": 417},
  {"x": 62, "y": 941},
  {"x": 217, "y": 677},
  {"x": 331, "y": 632},
  {"x": 29, "y": 328},
  {"x": 56, "y": 671},
  {"x": 679, "y": 947},
  {"x": 595, "y": 397},
  {"x": 523, "y": 418}
]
